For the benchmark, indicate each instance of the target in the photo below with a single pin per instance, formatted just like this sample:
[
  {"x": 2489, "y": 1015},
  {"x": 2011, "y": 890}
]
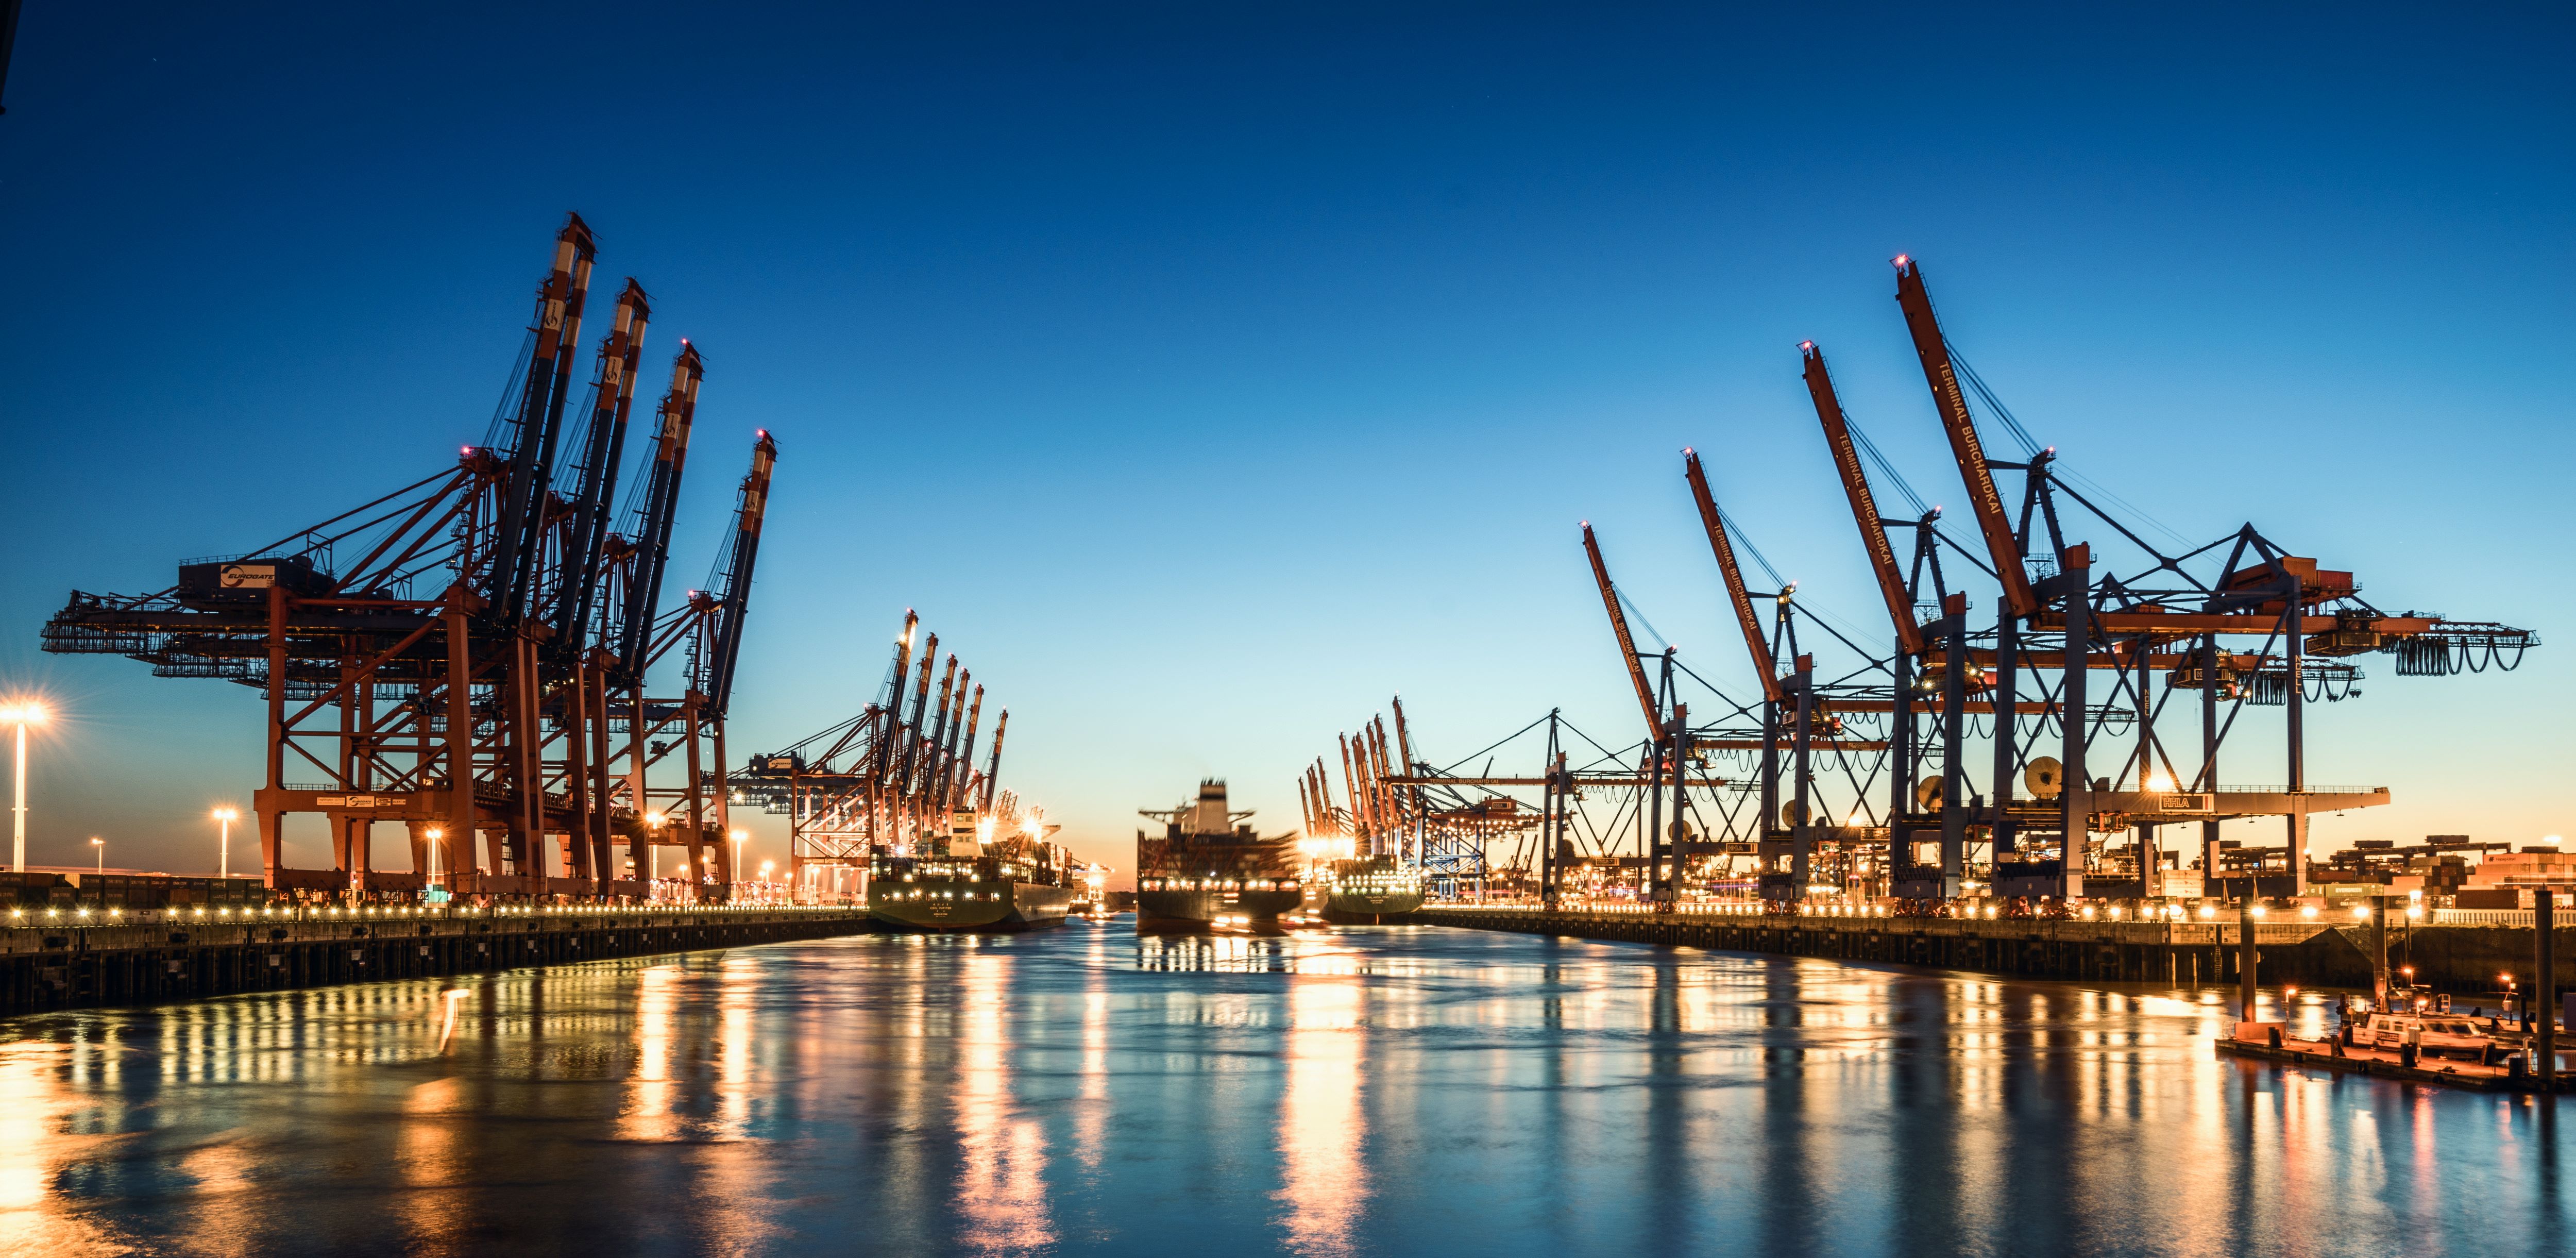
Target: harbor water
[{"x": 1354, "y": 1090}]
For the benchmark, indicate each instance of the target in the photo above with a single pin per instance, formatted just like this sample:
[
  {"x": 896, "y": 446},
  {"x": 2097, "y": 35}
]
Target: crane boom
[
  {"x": 965, "y": 773},
  {"x": 2003, "y": 547},
  {"x": 1873, "y": 530},
  {"x": 557, "y": 329},
  {"x": 1619, "y": 626},
  {"x": 1724, "y": 548},
  {"x": 736, "y": 595},
  {"x": 881, "y": 754},
  {"x": 993, "y": 766},
  {"x": 603, "y": 448},
  {"x": 661, "y": 500}
]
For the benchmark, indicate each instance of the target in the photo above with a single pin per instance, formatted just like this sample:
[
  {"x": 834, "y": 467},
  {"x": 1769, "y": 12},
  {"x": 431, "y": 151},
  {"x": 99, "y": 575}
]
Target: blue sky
[{"x": 1206, "y": 374}]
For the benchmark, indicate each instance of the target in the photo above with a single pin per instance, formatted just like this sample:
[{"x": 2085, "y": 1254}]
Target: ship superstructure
[{"x": 1209, "y": 868}]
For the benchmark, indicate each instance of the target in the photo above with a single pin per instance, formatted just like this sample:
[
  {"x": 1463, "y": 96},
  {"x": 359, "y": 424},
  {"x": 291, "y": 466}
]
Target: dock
[
  {"x": 77, "y": 960},
  {"x": 2031, "y": 947},
  {"x": 2328, "y": 1055}
]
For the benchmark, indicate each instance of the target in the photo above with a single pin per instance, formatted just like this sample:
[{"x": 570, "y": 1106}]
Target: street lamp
[
  {"x": 433, "y": 834},
  {"x": 653, "y": 854},
  {"x": 21, "y": 715},
  {"x": 224, "y": 849},
  {"x": 733, "y": 872},
  {"x": 101, "y": 846}
]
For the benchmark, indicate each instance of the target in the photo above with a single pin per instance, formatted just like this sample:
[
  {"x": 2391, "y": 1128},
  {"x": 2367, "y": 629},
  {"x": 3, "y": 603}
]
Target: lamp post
[
  {"x": 733, "y": 872},
  {"x": 100, "y": 846},
  {"x": 653, "y": 855},
  {"x": 433, "y": 834},
  {"x": 21, "y": 715},
  {"x": 224, "y": 845}
]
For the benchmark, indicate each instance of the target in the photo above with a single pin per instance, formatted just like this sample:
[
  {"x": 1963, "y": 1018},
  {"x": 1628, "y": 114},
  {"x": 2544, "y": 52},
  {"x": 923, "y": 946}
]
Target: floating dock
[{"x": 2326, "y": 1055}]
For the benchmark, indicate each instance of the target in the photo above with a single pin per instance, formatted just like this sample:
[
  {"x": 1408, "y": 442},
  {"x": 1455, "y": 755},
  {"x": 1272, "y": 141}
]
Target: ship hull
[
  {"x": 1203, "y": 906},
  {"x": 1368, "y": 908},
  {"x": 1015, "y": 906}
]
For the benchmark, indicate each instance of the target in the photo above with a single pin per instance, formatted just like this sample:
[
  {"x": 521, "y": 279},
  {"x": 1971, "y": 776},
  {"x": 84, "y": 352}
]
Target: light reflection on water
[{"x": 1347, "y": 1092}]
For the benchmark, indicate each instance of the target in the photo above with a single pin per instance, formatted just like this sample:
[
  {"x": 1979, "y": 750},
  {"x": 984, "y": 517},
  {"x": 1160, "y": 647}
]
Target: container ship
[
  {"x": 1364, "y": 892},
  {"x": 1209, "y": 869},
  {"x": 975, "y": 883}
]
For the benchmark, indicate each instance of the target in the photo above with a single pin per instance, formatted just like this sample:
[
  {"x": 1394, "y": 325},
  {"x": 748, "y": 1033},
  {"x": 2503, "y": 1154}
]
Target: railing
[
  {"x": 2275, "y": 788},
  {"x": 2482, "y": 917}
]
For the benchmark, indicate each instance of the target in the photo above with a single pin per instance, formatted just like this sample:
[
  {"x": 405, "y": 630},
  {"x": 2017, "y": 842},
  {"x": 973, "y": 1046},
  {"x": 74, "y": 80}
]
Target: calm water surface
[{"x": 1362, "y": 1091}]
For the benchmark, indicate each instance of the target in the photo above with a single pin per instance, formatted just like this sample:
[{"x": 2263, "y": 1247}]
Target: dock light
[
  {"x": 2257, "y": 911},
  {"x": 2088, "y": 912},
  {"x": 21, "y": 715},
  {"x": 2115, "y": 912},
  {"x": 2414, "y": 912},
  {"x": 2552, "y": 839},
  {"x": 100, "y": 845},
  {"x": 2361, "y": 912}
]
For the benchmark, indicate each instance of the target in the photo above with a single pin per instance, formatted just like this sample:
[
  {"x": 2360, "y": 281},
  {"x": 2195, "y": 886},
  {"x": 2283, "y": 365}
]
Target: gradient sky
[{"x": 1205, "y": 374}]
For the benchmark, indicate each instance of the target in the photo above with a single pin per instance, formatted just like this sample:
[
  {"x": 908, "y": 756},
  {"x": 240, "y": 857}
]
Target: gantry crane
[
  {"x": 454, "y": 655},
  {"x": 2126, "y": 625},
  {"x": 876, "y": 785}
]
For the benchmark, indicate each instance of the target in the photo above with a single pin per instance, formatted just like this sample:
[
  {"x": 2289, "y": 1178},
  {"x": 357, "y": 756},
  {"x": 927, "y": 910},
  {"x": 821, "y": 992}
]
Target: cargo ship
[
  {"x": 1209, "y": 869},
  {"x": 975, "y": 882},
  {"x": 1364, "y": 892}
]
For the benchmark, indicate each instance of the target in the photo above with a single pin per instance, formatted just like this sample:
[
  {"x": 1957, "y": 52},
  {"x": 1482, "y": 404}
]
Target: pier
[
  {"x": 89, "y": 960},
  {"x": 2462, "y": 959}
]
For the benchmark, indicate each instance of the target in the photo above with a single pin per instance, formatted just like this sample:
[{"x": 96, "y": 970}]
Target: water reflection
[
  {"x": 1323, "y": 1182},
  {"x": 1357, "y": 1091}
]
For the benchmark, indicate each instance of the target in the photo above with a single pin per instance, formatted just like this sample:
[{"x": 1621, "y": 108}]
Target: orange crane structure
[
  {"x": 460, "y": 656},
  {"x": 883, "y": 783},
  {"x": 2065, "y": 619},
  {"x": 2033, "y": 754}
]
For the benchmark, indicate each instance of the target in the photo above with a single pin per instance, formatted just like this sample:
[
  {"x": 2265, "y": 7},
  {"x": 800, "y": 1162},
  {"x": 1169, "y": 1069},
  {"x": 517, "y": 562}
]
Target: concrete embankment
[
  {"x": 68, "y": 960},
  {"x": 2465, "y": 959}
]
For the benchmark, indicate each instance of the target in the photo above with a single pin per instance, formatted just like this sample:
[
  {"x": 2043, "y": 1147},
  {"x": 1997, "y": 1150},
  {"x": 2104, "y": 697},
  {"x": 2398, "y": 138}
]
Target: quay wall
[
  {"x": 2464, "y": 959},
  {"x": 68, "y": 961}
]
